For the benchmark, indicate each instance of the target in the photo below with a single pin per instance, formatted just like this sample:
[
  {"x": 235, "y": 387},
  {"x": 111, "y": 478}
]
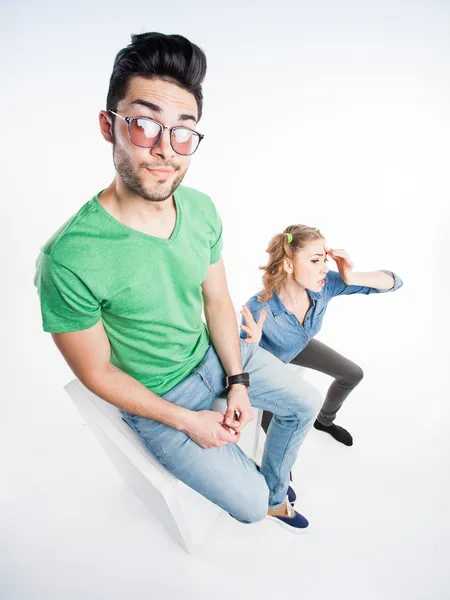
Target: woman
[{"x": 286, "y": 315}]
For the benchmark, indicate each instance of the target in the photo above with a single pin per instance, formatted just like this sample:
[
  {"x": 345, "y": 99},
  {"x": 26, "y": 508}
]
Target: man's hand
[
  {"x": 251, "y": 328},
  {"x": 207, "y": 429},
  {"x": 238, "y": 407}
]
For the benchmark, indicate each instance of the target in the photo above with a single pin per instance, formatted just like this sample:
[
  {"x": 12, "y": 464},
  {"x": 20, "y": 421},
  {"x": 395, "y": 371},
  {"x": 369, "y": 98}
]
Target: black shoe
[{"x": 339, "y": 433}]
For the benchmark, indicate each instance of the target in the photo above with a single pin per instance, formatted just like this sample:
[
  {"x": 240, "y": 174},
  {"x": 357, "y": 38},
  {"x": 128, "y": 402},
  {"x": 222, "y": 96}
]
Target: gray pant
[{"x": 347, "y": 375}]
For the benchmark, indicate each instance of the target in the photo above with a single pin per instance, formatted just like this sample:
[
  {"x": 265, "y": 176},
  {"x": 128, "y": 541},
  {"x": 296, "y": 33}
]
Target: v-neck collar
[{"x": 141, "y": 234}]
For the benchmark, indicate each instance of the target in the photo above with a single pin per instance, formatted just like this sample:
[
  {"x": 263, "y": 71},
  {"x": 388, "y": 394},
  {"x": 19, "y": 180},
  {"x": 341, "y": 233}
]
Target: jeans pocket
[
  {"x": 205, "y": 375},
  {"x": 211, "y": 371}
]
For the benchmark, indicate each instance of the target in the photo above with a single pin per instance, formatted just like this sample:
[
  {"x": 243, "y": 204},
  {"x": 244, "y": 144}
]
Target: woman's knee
[{"x": 355, "y": 375}]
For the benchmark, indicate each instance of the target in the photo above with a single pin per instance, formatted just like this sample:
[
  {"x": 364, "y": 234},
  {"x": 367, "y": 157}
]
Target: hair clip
[{"x": 289, "y": 237}]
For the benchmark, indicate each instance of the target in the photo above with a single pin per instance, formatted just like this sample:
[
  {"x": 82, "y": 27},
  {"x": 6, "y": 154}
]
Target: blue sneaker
[
  {"x": 293, "y": 521},
  {"x": 292, "y": 496}
]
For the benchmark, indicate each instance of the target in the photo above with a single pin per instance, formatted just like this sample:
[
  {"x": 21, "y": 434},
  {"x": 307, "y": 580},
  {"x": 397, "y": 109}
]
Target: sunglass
[{"x": 147, "y": 133}]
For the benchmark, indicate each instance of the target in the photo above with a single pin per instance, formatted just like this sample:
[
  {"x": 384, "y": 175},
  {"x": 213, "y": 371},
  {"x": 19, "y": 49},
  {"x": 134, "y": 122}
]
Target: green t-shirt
[{"x": 146, "y": 290}]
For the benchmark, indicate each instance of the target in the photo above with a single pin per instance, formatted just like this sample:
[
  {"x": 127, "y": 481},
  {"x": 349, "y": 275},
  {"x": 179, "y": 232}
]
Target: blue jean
[{"x": 225, "y": 475}]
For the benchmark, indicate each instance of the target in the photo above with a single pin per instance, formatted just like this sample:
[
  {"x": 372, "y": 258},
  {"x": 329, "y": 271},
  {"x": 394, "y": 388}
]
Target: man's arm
[
  {"x": 221, "y": 318},
  {"x": 222, "y": 325},
  {"x": 87, "y": 353}
]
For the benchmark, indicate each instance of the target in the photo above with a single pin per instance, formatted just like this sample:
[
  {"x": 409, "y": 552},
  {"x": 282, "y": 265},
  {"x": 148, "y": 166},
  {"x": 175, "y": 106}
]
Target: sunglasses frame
[{"x": 129, "y": 120}]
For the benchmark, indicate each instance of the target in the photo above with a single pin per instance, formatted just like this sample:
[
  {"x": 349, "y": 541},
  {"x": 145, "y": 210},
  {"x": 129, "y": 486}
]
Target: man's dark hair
[{"x": 170, "y": 57}]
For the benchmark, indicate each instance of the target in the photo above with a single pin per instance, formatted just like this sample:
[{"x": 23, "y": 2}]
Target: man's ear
[{"x": 106, "y": 126}]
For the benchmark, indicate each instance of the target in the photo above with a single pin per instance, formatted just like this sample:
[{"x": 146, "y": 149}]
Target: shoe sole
[{"x": 294, "y": 530}]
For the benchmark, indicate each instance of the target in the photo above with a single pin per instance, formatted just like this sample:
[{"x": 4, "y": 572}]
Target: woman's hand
[
  {"x": 343, "y": 262},
  {"x": 251, "y": 328}
]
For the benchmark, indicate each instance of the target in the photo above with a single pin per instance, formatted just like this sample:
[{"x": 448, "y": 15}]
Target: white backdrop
[{"x": 332, "y": 114}]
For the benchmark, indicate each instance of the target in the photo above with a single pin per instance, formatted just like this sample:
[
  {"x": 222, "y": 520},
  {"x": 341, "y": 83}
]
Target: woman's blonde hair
[{"x": 281, "y": 246}]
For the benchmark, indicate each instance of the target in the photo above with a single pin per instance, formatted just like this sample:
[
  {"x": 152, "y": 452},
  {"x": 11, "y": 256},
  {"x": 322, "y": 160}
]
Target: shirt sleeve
[
  {"x": 66, "y": 302},
  {"x": 336, "y": 286},
  {"x": 217, "y": 246}
]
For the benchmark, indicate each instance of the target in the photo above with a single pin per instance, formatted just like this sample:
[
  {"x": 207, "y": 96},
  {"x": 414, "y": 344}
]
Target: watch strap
[{"x": 243, "y": 378}]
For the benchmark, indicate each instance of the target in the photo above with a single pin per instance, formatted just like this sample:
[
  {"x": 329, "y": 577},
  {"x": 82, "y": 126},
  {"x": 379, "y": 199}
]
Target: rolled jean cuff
[{"x": 277, "y": 505}]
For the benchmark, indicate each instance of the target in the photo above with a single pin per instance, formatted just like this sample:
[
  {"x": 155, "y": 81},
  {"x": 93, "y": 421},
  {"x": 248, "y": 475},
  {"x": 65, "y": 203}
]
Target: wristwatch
[{"x": 243, "y": 378}]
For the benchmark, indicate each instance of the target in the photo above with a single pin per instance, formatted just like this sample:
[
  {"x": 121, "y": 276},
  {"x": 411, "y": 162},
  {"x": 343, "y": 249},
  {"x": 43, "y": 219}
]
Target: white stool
[{"x": 187, "y": 515}]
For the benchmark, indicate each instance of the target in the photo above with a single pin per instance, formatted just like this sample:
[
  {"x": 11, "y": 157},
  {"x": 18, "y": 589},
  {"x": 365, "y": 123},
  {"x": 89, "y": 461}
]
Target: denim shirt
[{"x": 283, "y": 335}]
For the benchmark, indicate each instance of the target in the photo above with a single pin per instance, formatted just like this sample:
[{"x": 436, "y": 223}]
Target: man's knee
[
  {"x": 309, "y": 404},
  {"x": 303, "y": 399},
  {"x": 251, "y": 505},
  {"x": 316, "y": 402}
]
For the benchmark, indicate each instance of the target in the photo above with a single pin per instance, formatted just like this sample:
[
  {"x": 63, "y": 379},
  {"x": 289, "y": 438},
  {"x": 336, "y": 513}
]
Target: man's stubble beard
[{"x": 131, "y": 179}]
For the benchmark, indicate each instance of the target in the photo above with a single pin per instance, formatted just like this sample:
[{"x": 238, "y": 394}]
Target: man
[{"x": 122, "y": 285}]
